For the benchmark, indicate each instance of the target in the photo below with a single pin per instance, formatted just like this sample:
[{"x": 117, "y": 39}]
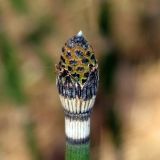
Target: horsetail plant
[{"x": 77, "y": 82}]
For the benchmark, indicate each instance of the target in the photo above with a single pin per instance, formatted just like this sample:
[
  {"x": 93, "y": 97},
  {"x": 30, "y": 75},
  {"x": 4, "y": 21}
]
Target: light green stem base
[{"x": 77, "y": 152}]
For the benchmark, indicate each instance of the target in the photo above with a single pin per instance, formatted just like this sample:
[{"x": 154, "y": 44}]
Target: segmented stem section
[{"x": 77, "y": 152}]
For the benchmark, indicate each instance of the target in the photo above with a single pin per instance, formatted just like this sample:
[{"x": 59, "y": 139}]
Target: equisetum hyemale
[{"x": 77, "y": 82}]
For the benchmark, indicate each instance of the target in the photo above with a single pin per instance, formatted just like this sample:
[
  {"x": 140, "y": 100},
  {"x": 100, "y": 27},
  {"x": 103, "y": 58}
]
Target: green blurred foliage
[
  {"x": 47, "y": 62},
  {"x": 104, "y": 19},
  {"x": 114, "y": 124},
  {"x": 31, "y": 140},
  {"x": 108, "y": 67},
  {"x": 12, "y": 75},
  {"x": 12, "y": 81},
  {"x": 44, "y": 27},
  {"x": 108, "y": 70},
  {"x": 19, "y": 5}
]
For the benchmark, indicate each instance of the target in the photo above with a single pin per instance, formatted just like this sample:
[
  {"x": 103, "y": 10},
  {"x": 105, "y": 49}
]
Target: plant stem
[
  {"x": 77, "y": 83},
  {"x": 77, "y": 151},
  {"x": 77, "y": 129}
]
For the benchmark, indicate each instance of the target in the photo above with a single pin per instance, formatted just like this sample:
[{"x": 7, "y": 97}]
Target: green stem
[{"x": 77, "y": 151}]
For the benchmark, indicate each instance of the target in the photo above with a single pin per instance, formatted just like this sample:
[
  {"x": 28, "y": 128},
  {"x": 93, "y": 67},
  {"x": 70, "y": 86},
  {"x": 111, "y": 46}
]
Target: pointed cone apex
[{"x": 80, "y": 34}]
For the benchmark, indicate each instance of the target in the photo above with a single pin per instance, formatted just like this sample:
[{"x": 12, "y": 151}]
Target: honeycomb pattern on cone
[{"x": 77, "y": 60}]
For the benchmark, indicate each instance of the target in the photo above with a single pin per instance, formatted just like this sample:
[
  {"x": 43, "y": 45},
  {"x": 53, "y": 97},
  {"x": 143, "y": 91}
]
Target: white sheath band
[
  {"x": 76, "y": 129},
  {"x": 76, "y": 105}
]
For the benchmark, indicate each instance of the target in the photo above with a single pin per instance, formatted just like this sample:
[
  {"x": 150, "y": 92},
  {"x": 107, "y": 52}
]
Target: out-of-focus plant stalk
[{"x": 77, "y": 82}]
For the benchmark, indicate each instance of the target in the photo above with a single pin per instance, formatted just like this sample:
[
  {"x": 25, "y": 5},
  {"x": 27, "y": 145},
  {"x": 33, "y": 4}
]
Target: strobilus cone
[{"x": 77, "y": 82}]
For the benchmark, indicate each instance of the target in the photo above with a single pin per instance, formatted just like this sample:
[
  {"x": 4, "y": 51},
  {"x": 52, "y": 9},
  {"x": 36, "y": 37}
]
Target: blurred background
[{"x": 126, "y": 38}]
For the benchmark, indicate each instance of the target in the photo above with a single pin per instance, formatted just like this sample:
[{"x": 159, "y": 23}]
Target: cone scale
[{"x": 77, "y": 82}]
